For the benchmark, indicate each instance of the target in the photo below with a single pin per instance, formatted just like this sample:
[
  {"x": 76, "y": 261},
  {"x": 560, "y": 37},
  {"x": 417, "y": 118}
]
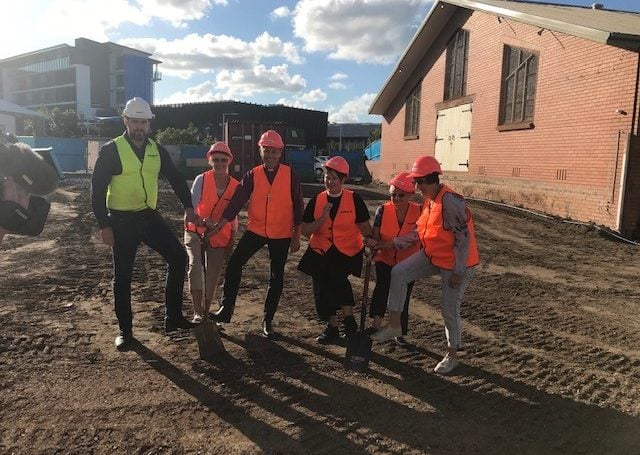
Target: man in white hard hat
[{"x": 124, "y": 194}]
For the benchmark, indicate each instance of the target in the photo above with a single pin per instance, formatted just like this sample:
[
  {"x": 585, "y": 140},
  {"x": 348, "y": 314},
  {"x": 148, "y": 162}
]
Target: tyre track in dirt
[{"x": 551, "y": 358}]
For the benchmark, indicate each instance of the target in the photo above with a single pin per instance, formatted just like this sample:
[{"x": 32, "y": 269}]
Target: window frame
[
  {"x": 412, "y": 113},
  {"x": 456, "y": 66},
  {"x": 513, "y": 115}
]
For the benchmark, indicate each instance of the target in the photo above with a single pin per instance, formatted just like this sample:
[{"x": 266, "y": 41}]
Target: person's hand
[
  {"x": 326, "y": 211},
  {"x": 387, "y": 244},
  {"x": 190, "y": 216},
  {"x": 295, "y": 244},
  {"x": 455, "y": 280},
  {"x": 107, "y": 236},
  {"x": 371, "y": 242}
]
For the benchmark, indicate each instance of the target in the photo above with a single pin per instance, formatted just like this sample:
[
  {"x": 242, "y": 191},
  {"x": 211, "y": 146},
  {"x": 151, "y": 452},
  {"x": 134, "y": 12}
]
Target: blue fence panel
[
  {"x": 301, "y": 161},
  {"x": 193, "y": 151},
  {"x": 358, "y": 172},
  {"x": 70, "y": 152}
]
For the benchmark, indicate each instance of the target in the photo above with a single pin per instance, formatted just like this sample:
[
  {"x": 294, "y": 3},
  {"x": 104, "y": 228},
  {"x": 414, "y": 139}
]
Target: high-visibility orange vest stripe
[
  {"x": 389, "y": 228},
  {"x": 271, "y": 206},
  {"x": 212, "y": 206},
  {"x": 437, "y": 241},
  {"x": 342, "y": 231}
]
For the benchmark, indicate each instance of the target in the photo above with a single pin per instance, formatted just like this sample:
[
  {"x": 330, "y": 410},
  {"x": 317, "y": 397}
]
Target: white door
[{"x": 453, "y": 138}]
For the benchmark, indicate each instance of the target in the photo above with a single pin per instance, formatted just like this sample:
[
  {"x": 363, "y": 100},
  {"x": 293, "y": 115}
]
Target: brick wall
[{"x": 570, "y": 163}]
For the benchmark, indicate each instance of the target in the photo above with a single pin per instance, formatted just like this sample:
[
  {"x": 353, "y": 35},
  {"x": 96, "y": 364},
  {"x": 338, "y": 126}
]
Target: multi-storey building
[{"x": 89, "y": 78}]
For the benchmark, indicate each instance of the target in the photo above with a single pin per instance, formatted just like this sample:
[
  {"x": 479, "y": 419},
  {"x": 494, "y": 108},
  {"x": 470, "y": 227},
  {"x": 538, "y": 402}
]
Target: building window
[
  {"x": 455, "y": 77},
  {"x": 519, "y": 76},
  {"x": 412, "y": 112}
]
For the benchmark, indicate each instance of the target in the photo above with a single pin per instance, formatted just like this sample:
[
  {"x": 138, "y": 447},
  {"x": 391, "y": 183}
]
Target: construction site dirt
[{"x": 551, "y": 359}]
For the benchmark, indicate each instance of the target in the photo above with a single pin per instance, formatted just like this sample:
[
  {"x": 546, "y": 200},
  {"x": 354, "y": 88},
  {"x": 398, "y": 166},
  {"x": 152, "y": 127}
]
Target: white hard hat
[{"x": 137, "y": 108}]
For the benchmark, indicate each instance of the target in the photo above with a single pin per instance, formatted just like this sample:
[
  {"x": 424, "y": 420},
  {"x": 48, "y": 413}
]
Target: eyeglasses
[
  {"x": 398, "y": 195},
  {"x": 219, "y": 160}
]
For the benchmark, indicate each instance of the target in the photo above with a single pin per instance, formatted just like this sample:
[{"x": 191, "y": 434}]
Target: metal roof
[
  {"x": 7, "y": 107},
  {"x": 614, "y": 28},
  {"x": 351, "y": 130}
]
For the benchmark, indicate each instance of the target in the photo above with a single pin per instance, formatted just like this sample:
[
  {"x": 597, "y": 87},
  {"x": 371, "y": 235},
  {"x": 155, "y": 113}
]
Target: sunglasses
[
  {"x": 398, "y": 195},
  {"x": 421, "y": 180}
]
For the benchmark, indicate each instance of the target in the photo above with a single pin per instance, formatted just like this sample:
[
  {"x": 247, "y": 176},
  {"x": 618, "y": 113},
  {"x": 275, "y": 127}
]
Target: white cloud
[
  {"x": 62, "y": 21},
  {"x": 360, "y": 30},
  {"x": 338, "y": 77},
  {"x": 355, "y": 110},
  {"x": 313, "y": 96},
  {"x": 337, "y": 86},
  {"x": 244, "y": 83},
  {"x": 279, "y": 13},
  {"x": 266, "y": 45},
  {"x": 194, "y": 53},
  {"x": 177, "y": 12},
  {"x": 198, "y": 93}
]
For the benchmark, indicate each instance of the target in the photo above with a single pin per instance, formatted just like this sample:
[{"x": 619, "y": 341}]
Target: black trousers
[
  {"x": 249, "y": 245},
  {"x": 331, "y": 290},
  {"x": 148, "y": 227},
  {"x": 381, "y": 294}
]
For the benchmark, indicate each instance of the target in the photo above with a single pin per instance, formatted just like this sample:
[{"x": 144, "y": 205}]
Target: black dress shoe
[
  {"x": 123, "y": 341},
  {"x": 171, "y": 325},
  {"x": 222, "y": 315},
  {"x": 330, "y": 335},
  {"x": 267, "y": 329},
  {"x": 350, "y": 326}
]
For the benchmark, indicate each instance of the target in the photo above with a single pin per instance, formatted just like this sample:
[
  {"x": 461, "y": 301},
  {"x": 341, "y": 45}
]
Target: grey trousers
[
  {"x": 418, "y": 266},
  {"x": 215, "y": 261}
]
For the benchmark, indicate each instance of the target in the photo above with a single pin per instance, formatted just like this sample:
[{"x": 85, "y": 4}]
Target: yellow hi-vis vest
[{"x": 137, "y": 187}]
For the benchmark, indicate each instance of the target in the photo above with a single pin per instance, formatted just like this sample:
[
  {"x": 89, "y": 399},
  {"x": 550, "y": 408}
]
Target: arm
[
  {"x": 309, "y": 224},
  {"x": 454, "y": 216},
  {"x": 178, "y": 183},
  {"x": 107, "y": 165},
  {"x": 362, "y": 220},
  {"x": 298, "y": 207}
]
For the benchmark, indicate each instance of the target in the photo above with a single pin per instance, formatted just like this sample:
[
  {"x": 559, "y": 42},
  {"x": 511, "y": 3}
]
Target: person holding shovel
[
  {"x": 210, "y": 194},
  {"x": 335, "y": 221},
  {"x": 446, "y": 231},
  {"x": 393, "y": 219}
]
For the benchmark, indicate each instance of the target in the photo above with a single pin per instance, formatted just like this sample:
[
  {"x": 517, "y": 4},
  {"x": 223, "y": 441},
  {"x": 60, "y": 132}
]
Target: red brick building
[{"x": 531, "y": 104}]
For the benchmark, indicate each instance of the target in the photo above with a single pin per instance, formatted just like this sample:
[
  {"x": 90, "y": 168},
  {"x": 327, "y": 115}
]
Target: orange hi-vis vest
[
  {"x": 389, "y": 228},
  {"x": 271, "y": 206},
  {"x": 212, "y": 206},
  {"x": 436, "y": 240},
  {"x": 342, "y": 231}
]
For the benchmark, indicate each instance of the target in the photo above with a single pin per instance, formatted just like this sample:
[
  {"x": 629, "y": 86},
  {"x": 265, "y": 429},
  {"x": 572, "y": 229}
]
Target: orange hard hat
[
  {"x": 338, "y": 164},
  {"x": 220, "y": 147},
  {"x": 425, "y": 165},
  {"x": 404, "y": 182},
  {"x": 271, "y": 138}
]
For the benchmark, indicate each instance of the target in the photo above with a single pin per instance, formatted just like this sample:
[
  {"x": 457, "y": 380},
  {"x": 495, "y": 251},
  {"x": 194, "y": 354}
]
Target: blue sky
[{"x": 330, "y": 55}]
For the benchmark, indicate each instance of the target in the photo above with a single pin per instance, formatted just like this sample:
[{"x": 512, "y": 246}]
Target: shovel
[
  {"x": 206, "y": 333},
  {"x": 359, "y": 346}
]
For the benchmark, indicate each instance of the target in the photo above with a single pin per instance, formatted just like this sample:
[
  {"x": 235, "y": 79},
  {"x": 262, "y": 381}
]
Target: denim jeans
[
  {"x": 417, "y": 266},
  {"x": 148, "y": 227},
  {"x": 381, "y": 294},
  {"x": 249, "y": 245}
]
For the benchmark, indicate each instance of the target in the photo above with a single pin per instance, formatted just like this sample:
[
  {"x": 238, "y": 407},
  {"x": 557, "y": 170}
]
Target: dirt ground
[{"x": 551, "y": 361}]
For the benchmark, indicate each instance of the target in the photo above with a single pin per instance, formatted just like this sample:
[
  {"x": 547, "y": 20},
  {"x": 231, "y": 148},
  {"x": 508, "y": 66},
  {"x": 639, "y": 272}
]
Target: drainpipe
[
  {"x": 635, "y": 123},
  {"x": 623, "y": 183}
]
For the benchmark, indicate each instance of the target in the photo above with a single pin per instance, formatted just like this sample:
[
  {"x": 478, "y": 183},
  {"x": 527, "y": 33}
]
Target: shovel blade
[
  {"x": 358, "y": 353},
  {"x": 208, "y": 338}
]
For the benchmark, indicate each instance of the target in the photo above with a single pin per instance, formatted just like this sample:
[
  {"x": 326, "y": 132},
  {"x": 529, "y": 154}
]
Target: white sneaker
[
  {"x": 446, "y": 365},
  {"x": 386, "y": 333}
]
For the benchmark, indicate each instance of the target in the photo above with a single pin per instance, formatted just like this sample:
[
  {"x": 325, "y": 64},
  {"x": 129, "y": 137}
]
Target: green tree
[
  {"x": 374, "y": 135},
  {"x": 175, "y": 136},
  {"x": 62, "y": 123}
]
